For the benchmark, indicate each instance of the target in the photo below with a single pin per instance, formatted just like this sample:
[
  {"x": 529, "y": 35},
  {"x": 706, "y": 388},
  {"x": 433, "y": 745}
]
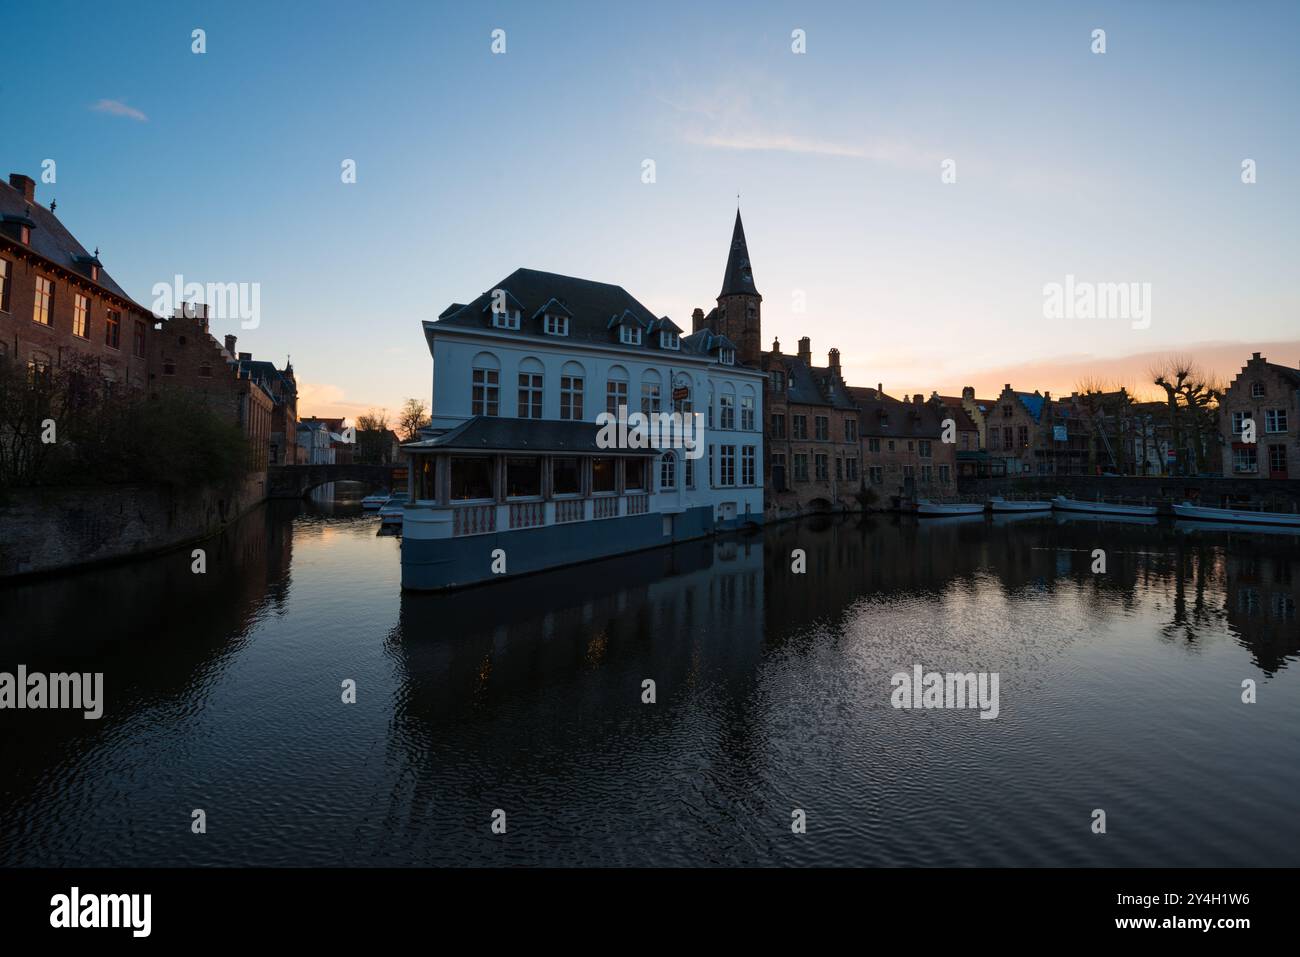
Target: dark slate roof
[
  {"x": 51, "y": 240},
  {"x": 959, "y": 414},
  {"x": 1286, "y": 372},
  {"x": 595, "y": 309},
  {"x": 488, "y": 433},
  {"x": 707, "y": 341},
  {"x": 883, "y": 415},
  {"x": 739, "y": 277},
  {"x": 811, "y": 385},
  {"x": 1033, "y": 402},
  {"x": 265, "y": 372}
]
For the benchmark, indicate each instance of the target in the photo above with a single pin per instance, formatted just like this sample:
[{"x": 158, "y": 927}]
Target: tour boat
[
  {"x": 1237, "y": 516},
  {"x": 1102, "y": 508},
  {"x": 999, "y": 504},
  {"x": 926, "y": 507},
  {"x": 373, "y": 503}
]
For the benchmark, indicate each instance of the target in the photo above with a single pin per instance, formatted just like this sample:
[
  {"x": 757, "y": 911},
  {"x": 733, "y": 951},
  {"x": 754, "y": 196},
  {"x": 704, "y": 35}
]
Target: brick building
[
  {"x": 57, "y": 300},
  {"x": 282, "y": 386},
  {"x": 1267, "y": 394},
  {"x": 812, "y": 454},
  {"x": 971, "y": 459},
  {"x": 903, "y": 455}
]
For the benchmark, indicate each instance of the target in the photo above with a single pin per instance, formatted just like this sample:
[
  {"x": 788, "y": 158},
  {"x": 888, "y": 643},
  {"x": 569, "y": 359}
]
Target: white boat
[
  {"x": 926, "y": 507},
  {"x": 1237, "y": 516},
  {"x": 1102, "y": 508},
  {"x": 373, "y": 503},
  {"x": 999, "y": 504},
  {"x": 391, "y": 512}
]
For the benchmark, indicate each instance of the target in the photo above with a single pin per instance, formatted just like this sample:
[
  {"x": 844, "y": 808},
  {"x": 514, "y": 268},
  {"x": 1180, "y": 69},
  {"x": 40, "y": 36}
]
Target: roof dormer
[
  {"x": 629, "y": 327},
  {"x": 555, "y": 317},
  {"x": 503, "y": 309}
]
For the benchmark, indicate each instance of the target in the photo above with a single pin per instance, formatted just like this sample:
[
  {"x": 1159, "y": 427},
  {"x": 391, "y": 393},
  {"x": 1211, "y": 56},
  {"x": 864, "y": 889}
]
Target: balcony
[{"x": 458, "y": 520}]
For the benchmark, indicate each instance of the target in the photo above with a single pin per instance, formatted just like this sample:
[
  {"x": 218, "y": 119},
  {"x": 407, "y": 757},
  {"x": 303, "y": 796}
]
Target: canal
[{"x": 1119, "y": 691}]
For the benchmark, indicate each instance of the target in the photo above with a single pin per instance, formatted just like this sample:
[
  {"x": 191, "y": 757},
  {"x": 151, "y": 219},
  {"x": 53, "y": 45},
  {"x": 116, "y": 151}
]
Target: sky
[{"x": 1115, "y": 167}]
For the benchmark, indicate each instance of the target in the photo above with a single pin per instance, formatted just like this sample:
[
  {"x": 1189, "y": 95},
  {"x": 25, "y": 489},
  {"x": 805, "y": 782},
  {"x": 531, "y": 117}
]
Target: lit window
[
  {"x": 5, "y": 283},
  {"x": 44, "y": 302},
  {"x": 80, "y": 316},
  {"x": 112, "y": 328}
]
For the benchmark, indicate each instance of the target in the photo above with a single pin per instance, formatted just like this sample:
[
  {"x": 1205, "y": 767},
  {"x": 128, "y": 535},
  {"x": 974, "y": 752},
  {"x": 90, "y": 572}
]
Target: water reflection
[{"x": 770, "y": 692}]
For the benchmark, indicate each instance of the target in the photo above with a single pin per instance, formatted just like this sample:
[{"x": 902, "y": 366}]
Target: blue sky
[{"x": 1121, "y": 167}]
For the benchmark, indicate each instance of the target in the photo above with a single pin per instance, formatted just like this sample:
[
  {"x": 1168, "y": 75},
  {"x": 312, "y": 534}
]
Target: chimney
[
  {"x": 776, "y": 346},
  {"x": 1253, "y": 355},
  {"x": 697, "y": 319},
  {"x": 230, "y": 345},
  {"x": 1007, "y": 386},
  {"x": 968, "y": 392},
  {"x": 805, "y": 351},
  {"x": 833, "y": 358},
  {"x": 880, "y": 389},
  {"x": 25, "y": 185},
  {"x": 916, "y": 399}
]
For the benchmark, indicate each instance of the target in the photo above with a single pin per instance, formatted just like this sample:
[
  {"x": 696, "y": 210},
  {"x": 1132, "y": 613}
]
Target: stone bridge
[{"x": 297, "y": 481}]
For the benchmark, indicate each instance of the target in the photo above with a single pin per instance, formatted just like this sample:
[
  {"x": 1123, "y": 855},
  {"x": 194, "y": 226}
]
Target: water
[{"x": 1119, "y": 691}]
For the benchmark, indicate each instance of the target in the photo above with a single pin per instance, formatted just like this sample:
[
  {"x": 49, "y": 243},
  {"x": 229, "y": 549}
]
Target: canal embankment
[
  {"x": 61, "y": 528},
  {"x": 1273, "y": 495}
]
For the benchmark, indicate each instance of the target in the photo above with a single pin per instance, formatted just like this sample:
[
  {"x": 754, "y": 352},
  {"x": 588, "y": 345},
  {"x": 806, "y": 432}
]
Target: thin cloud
[
  {"x": 118, "y": 108},
  {"x": 895, "y": 154}
]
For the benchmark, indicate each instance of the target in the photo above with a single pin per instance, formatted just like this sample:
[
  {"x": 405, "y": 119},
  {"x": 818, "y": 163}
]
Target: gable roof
[
  {"x": 595, "y": 310},
  {"x": 51, "y": 240},
  {"x": 810, "y": 385},
  {"x": 739, "y": 277},
  {"x": 883, "y": 415},
  {"x": 1033, "y": 402}
]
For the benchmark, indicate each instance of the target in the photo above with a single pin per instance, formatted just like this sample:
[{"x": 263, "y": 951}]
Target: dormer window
[
  {"x": 629, "y": 335},
  {"x": 555, "y": 325},
  {"x": 506, "y": 319},
  {"x": 669, "y": 340},
  {"x": 727, "y": 357}
]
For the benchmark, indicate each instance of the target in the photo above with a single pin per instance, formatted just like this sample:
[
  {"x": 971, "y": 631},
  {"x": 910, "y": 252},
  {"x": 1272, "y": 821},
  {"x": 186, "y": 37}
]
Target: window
[
  {"x": 728, "y": 411},
  {"x": 690, "y": 472},
  {"x": 873, "y": 445},
  {"x": 530, "y": 395},
  {"x": 555, "y": 325},
  {"x": 39, "y": 369},
  {"x": 1006, "y": 412},
  {"x": 506, "y": 319},
  {"x": 927, "y": 473},
  {"x": 747, "y": 470},
  {"x": 1007, "y": 441},
  {"x": 602, "y": 474},
  {"x": 565, "y": 476},
  {"x": 889, "y": 446},
  {"x": 668, "y": 471},
  {"x": 471, "y": 477},
  {"x": 777, "y": 379},
  {"x": 801, "y": 467},
  {"x": 80, "y": 316},
  {"x": 570, "y": 397},
  {"x": 965, "y": 440},
  {"x": 6, "y": 281},
  {"x": 651, "y": 395},
  {"x": 747, "y": 413},
  {"x": 823, "y": 470},
  {"x": 1277, "y": 458},
  {"x": 112, "y": 328},
  {"x": 523, "y": 476},
  {"x": 877, "y": 475},
  {"x": 139, "y": 338},
  {"x": 615, "y": 396},
  {"x": 839, "y": 469},
  {"x": 629, "y": 335},
  {"x": 1023, "y": 436},
  {"x": 851, "y": 469},
  {"x": 909, "y": 471},
  {"x": 44, "y": 302},
  {"x": 1239, "y": 420},
  {"x": 634, "y": 475},
  {"x": 925, "y": 448},
  {"x": 727, "y": 357},
  {"x": 1244, "y": 460},
  {"x": 1275, "y": 420},
  {"x": 850, "y": 429},
  {"x": 669, "y": 340},
  {"x": 485, "y": 398},
  {"x": 778, "y": 425},
  {"x": 169, "y": 366},
  {"x": 823, "y": 427},
  {"x": 205, "y": 372},
  {"x": 801, "y": 426},
  {"x": 727, "y": 466},
  {"x": 945, "y": 474},
  {"x": 911, "y": 446},
  {"x": 1257, "y": 390}
]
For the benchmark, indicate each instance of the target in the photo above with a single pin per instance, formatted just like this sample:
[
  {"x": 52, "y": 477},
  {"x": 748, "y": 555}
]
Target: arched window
[
  {"x": 531, "y": 374},
  {"x": 485, "y": 392},
  {"x": 615, "y": 389},
  {"x": 572, "y": 377},
  {"x": 667, "y": 472},
  {"x": 652, "y": 391}
]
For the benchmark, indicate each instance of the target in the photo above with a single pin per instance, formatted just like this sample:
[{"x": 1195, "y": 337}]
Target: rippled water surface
[{"x": 1119, "y": 691}]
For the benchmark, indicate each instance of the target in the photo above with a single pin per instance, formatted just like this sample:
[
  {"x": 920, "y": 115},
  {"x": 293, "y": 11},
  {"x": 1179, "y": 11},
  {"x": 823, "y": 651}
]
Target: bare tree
[
  {"x": 1192, "y": 397},
  {"x": 413, "y": 417}
]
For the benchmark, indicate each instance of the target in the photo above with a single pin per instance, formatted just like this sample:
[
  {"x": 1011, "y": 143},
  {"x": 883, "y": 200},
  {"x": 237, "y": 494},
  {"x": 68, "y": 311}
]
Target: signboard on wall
[{"x": 1059, "y": 433}]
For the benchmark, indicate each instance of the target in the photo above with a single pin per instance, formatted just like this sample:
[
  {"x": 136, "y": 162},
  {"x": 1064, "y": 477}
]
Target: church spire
[{"x": 739, "y": 277}]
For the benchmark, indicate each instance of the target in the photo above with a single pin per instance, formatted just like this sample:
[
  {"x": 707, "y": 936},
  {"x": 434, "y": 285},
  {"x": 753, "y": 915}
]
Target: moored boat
[
  {"x": 391, "y": 512},
  {"x": 999, "y": 504},
  {"x": 926, "y": 507},
  {"x": 373, "y": 503},
  {"x": 1237, "y": 516},
  {"x": 1102, "y": 508}
]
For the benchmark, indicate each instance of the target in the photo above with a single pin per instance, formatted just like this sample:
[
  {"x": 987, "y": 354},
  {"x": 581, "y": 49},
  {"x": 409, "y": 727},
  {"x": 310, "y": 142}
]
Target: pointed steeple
[{"x": 739, "y": 277}]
